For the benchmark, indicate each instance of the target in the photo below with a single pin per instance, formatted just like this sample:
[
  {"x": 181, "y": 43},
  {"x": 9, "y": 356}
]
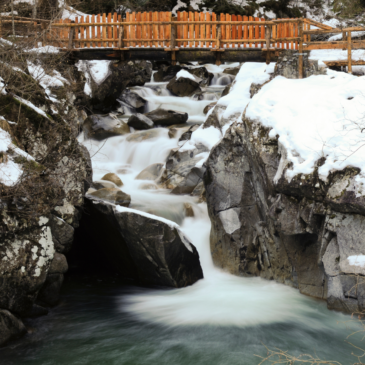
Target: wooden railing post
[
  {"x": 300, "y": 58},
  {"x": 218, "y": 53},
  {"x": 71, "y": 36},
  {"x": 173, "y": 43},
  {"x": 349, "y": 59},
  {"x": 268, "y": 37},
  {"x": 121, "y": 36}
]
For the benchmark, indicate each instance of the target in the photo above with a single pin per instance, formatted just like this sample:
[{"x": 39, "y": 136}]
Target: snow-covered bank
[{"x": 321, "y": 116}]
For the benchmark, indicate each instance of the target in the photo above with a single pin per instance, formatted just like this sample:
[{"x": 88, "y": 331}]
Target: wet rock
[
  {"x": 232, "y": 70},
  {"x": 147, "y": 186},
  {"x": 100, "y": 184},
  {"x": 172, "y": 132},
  {"x": 167, "y": 117},
  {"x": 112, "y": 195},
  {"x": 155, "y": 252},
  {"x": 151, "y": 172},
  {"x": 226, "y": 90},
  {"x": 10, "y": 327},
  {"x": 134, "y": 100},
  {"x": 113, "y": 178},
  {"x": 208, "y": 107},
  {"x": 122, "y": 74},
  {"x": 189, "y": 212},
  {"x": 166, "y": 73},
  {"x": 183, "y": 86},
  {"x": 62, "y": 234},
  {"x": 143, "y": 135},
  {"x": 100, "y": 127},
  {"x": 203, "y": 74},
  {"x": 49, "y": 295},
  {"x": 58, "y": 265},
  {"x": 37, "y": 311},
  {"x": 140, "y": 121},
  {"x": 187, "y": 135}
]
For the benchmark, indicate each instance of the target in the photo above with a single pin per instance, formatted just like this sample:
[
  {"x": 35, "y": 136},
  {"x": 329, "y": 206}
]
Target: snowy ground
[{"x": 320, "y": 116}]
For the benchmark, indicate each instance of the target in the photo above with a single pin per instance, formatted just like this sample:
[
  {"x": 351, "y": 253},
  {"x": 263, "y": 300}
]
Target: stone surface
[
  {"x": 133, "y": 99},
  {"x": 112, "y": 195},
  {"x": 232, "y": 70},
  {"x": 122, "y": 74},
  {"x": 140, "y": 121},
  {"x": 209, "y": 106},
  {"x": 144, "y": 248},
  {"x": 203, "y": 74},
  {"x": 166, "y": 73},
  {"x": 183, "y": 86},
  {"x": 103, "y": 126},
  {"x": 151, "y": 172},
  {"x": 165, "y": 118},
  {"x": 10, "y": 327},
  {"x": 287, "y": 65},
  {"x": 113, "y": 178}
]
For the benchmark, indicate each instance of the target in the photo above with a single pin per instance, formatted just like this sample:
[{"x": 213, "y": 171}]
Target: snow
[
  {"x": 208, "y": 137},
  {"x": 70, "y": 13},
  {"x": 239, "y": 95},
  {"x": 31, "y": 105},
  {"x": 357, "y": 260},
  {"x": 185, "y": 74},
  {"x": 5, "y": 140},
  {"x": 320, "y": 116},
  {"x": 45, "y": 49},
  {"x": 335, "y": 55},
  {"x": 339, "y": 36},
  {"x": 46, "y": 81},
  {"x": 96, "y": 70}
]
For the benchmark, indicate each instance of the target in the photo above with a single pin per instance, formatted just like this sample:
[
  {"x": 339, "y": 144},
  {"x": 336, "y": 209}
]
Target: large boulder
[
  {"x": 110, "y": 176},
  {"x": 11, "y": 327},
  {"x": 103, "y": 126},
  {"x": 167, "y": 117},
  {"x": 140, "y": 121},
  {"x": 203, "y": 74},
  {"x": 166, "y": 73},
  {"x": 121, "y": 75},
  {"x": 143, "y": 247},
  {"x": 183, "y": 86}
]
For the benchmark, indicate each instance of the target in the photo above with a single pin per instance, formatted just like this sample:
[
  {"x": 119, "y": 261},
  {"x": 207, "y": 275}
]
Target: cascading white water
[{"x": 220, "y": 298}]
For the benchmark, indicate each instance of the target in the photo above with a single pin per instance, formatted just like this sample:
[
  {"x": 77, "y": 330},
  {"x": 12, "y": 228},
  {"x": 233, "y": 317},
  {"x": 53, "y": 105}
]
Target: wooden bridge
[{"x": 189, "y": 36}]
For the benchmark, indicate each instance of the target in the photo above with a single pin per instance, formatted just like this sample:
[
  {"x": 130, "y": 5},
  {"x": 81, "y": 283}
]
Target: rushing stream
[{"x": 222, "y": 319}]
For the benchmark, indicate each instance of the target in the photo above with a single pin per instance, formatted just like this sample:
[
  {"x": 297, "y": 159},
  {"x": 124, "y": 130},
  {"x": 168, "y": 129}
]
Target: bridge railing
[{"x": 187, "y": 30}]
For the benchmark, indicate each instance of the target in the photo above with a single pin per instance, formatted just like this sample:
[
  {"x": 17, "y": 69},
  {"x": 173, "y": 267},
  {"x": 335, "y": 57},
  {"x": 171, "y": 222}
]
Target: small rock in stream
[
  {"x": 113, "y": 178},
  {"x": 140, "y": 121},
  {"x": 165, "y": 118},
  {"x": 183, "y": 86},
  {"x": 113, "y": 195}
]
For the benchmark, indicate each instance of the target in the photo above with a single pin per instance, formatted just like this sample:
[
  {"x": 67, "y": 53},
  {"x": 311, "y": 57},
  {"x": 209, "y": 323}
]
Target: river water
[{"x": 221, "y": 319}]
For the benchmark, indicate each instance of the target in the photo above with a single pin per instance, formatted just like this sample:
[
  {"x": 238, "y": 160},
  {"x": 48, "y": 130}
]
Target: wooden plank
[
  {"x": 104, "y": 30},
  {"x": 185, "y": 27},
  {"x": 257, "y": 32},
  {"x": 87, "y": 30},
  {"x": 287, "y": 34},
  {"x": 179, "y": 16},
  {"x": 161, "y": 29},
  {"x": 245, "y": 32},
  {"x": 239, "y": 29},
  {"x": 228, "y": 30},
  {"x": 126, "y": 29},
  {"x": 344, "y": 63},
  {"x": 144, "y": 28},
  {"x": 250, "y": 31},
  {"x": 82, "y": 33},
  {"x": 274, "y": 33},
  {"x": 291, "y": 34},
  {"x": 109, "y": 29},
  {"x": 300, "y": 57},
  {"x": 97, "y": 30},
  {"x": 222, "y": 27},
  {"x": 191, "y": 29},
  {"x": 214, "y": 30},
  {"x": 139, "y": 29},
  {"x": 234, "y": 29},
  {"x": 134, "y": 29},
  {"x": 168, "y": 28},
  {"x": 115, "y": 29},
  {"x": 202, "y": 29},
  {"x": 155, "y": 29},
  {"x": 335, "y": 30},
  {"x": 150, "y": 29},
  {"x": 208, "y": 31},
  {"x": 317, "y": 24},
  {"x": 349, "y": 66},
  {"x": 296, "y": 34},
  {"x": 262, "y": 33},
  {"x": 196, "y": 28}
]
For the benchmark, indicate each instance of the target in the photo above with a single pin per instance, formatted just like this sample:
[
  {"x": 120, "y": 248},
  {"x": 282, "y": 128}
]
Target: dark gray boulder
[
  {"x": 100, "y": 127},
  {"x": 112, "y": 195},
  {"x": 62, "y": 234},
  {"x": 143, "y": 247},
  {"x": 166, "y": 73},
  {"x": 122, "y": 74},
  {"x": 167, "y": 117},
  {"x": 140, "y": 121},
  {"x": 203, "y": 74},
  {"x": 11, "y": 327},
  {"x": 183, "y": 86},
  {"x": 133, "y": 100}
]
